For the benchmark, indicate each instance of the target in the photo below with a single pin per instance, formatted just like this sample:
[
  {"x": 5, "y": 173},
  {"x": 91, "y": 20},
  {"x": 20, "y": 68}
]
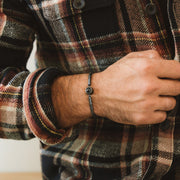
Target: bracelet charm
[{"x": 89, "y": 90}]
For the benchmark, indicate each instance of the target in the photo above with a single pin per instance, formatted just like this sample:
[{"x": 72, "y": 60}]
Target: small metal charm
[{"x": 89, "y": 90}]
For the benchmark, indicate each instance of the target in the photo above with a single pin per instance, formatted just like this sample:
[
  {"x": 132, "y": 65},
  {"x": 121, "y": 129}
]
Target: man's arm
[
  {"x": 25, "y": 100},
  {"x": 16, "y": 40},
  {"x": 138, "y": 89}
]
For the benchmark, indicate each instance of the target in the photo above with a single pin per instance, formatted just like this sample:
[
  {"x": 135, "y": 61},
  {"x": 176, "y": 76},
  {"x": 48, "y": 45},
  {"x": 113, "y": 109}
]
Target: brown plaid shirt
[{"x": 80, "y": 37}]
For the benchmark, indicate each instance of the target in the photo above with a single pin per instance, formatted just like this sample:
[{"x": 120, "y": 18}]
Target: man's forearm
[{"x": 70, "y": 100}]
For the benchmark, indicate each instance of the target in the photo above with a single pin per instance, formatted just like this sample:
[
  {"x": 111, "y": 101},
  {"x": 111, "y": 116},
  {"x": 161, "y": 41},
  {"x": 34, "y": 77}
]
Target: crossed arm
[{"x": 138, "y": 89}]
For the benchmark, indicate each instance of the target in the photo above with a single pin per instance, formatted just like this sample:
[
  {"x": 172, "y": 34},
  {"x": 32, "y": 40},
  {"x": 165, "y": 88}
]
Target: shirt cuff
[{"x": 38, "y": 106}]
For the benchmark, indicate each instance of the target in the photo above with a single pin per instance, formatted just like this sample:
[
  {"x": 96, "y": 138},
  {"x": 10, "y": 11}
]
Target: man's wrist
[{"x": 70, "y": 100}]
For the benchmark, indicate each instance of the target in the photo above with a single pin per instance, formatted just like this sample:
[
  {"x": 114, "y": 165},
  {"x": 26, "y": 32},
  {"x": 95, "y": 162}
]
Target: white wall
[{"x": 20, "y": 156}]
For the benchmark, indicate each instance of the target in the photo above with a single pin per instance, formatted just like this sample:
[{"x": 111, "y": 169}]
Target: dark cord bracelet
[{"x": 89, "y": 92}]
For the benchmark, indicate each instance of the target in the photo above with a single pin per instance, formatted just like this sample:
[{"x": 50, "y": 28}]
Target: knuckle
[
  {"x": 148, "y": 104},
  {"x": 148, "y": 87},
  {"x": 153, "y": 53},
  {"x": 146, "y": 66}
]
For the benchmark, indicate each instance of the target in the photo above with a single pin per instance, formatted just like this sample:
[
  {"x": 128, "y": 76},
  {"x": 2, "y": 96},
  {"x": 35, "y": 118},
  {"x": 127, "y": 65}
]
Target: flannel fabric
[{"x": 72, "y": 41}]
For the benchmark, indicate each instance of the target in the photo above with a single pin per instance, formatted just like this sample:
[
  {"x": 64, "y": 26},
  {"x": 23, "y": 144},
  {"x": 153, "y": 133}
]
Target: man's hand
[{"x": 138, "y": 89}]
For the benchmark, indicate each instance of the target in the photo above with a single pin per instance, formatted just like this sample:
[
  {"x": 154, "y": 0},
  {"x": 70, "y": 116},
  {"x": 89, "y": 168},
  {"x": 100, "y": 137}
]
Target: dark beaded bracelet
[{"x": 89, "y": 91}]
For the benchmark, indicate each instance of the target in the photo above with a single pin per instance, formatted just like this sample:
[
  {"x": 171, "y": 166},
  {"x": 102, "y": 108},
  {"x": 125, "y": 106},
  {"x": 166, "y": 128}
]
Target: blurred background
[{"x": 20, "y": 156}]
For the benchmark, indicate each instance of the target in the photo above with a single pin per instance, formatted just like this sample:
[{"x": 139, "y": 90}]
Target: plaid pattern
[{"x": 71, "y": 41}]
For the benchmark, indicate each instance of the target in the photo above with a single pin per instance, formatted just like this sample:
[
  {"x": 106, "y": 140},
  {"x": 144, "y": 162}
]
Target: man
[{"x": 126, "y": 124}]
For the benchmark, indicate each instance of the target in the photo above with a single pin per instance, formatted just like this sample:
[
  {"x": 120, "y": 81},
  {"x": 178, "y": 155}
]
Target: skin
[{"x": 138, "y": 89}]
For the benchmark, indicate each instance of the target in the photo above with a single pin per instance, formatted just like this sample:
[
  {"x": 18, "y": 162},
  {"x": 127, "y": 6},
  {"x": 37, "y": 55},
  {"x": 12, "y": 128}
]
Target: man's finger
[
  {"x": 165, "y": 104},
  {"x": 169, "y": 69},
  {"x": 169, "y": 87}
]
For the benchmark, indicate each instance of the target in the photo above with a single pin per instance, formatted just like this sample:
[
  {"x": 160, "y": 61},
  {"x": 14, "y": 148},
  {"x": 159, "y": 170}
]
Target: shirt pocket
[{"x": 69, "y": 24}]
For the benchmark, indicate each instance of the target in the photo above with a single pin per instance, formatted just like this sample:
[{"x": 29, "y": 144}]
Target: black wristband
[{"x": 89, "y": 91}]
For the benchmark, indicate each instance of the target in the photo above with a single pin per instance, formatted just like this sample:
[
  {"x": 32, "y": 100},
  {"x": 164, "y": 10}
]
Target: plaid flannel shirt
[{"x": 73, "y": 40}]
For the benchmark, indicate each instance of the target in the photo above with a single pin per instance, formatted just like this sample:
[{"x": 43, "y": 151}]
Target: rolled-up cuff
[{"x": 38, "y": 106}]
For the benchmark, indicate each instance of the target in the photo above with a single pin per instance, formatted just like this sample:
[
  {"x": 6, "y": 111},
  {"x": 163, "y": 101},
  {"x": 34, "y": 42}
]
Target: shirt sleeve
[{"x": 26, "y": 108}]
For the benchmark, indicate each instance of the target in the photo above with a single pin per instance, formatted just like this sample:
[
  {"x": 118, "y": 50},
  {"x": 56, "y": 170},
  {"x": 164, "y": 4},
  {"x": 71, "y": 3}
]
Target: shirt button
[
  {"x": 79, "y": 4},
  {"x": 151, "y": 9}
]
